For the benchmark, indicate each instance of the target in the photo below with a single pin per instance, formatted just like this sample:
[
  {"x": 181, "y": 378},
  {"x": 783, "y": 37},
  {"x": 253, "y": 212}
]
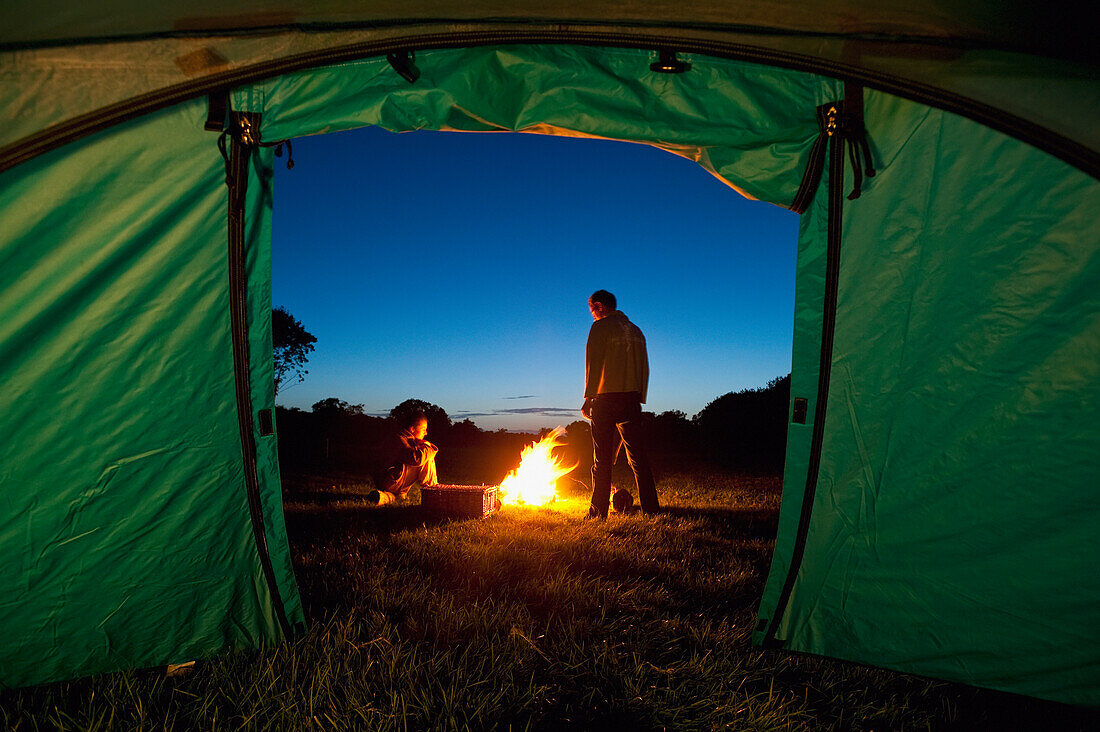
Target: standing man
[{"x": 616, "y": 372}]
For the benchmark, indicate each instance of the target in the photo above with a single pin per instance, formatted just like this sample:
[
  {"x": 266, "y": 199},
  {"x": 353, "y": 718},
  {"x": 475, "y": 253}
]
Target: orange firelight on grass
[{"x": 532, "y": 483}]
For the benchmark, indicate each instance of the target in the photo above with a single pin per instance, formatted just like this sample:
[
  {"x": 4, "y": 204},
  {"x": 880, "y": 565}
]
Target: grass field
[{"x": 531, "y": 619}]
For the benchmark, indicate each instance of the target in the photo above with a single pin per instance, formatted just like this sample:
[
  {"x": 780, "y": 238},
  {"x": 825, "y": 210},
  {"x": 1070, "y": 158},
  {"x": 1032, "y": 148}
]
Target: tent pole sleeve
[
  {"x": 244, "y": 128},
  {"x": 832, "y": 114}
]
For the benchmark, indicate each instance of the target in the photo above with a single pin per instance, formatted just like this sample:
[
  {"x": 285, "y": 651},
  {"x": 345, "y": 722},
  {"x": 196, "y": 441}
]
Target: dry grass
[{"x": 531, "y": 619}]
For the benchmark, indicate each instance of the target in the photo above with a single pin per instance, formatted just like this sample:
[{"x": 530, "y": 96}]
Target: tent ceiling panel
[
  {"x": 1049, "y": 30},
  {"x": 55, "y": 94}
]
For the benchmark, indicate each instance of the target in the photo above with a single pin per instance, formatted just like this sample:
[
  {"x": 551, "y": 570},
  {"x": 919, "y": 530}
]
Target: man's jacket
[{"x": 616, "y": 359}]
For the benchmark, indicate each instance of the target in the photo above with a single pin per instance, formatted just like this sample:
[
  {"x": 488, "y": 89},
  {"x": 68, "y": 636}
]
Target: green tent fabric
[
  {"x": 125, "y": 518},
  {"x": 940, "y": 511},
  {"x": 954, "y": 519}
]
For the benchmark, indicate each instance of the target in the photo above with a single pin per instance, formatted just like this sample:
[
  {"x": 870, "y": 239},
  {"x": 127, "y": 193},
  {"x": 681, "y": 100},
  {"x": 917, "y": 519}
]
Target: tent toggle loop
[
  {"x": 278, "y": 145},
  {"x": 403, "y": 62},
  {"x": 244, "y": 135},
  {"x": 849, "y": 128}
]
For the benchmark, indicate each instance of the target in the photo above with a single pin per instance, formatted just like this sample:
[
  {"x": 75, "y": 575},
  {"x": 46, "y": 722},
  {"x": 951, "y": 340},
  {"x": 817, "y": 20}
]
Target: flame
[{"x": 532, "y": 483}]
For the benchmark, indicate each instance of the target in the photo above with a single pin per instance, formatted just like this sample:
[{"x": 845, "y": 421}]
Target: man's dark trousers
[{"x": 617, "y": 416}]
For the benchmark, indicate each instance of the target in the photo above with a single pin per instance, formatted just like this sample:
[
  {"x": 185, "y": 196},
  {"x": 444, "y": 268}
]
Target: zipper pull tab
[
  {"x": 868, "y": 164},
  {"x": 854, "y": 133},
  {"x": 857, "y": 169},
  {"x": 848, "y": 128}
]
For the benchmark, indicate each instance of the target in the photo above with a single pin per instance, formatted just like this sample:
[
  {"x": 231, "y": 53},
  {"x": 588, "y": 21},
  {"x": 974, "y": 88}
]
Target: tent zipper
[
  {"x": 243, "y": 132},
  {"x": 842, "y": 126},
  {"x": 811, "y": 178},
  {"x": 55, "y": 136}
]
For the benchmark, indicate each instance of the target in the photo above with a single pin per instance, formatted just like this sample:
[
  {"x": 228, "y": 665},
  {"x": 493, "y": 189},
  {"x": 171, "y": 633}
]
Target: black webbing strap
[{"x": 217, "y": 105}]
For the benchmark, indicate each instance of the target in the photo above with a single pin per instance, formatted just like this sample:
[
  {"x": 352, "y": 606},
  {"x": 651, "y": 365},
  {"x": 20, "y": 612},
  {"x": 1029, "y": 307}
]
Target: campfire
[{"x": 533, "y": 482}]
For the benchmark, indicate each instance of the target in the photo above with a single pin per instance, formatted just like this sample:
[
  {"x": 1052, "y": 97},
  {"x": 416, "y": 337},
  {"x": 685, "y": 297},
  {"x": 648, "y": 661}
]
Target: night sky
[{"x": 456, "y": 267}]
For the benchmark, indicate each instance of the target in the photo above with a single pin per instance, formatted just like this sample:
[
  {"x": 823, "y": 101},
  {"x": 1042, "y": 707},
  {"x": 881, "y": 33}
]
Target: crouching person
[{"x": 408, "y": 460}]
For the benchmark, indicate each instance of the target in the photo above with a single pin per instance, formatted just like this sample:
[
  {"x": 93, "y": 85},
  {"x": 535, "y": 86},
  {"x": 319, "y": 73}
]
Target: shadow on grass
[
  {"x": 307, "y": 517},
  {"x": 743, "y": 523},
  {"x": 325, "y": 496},
  {"x": 324, "y": 521}
]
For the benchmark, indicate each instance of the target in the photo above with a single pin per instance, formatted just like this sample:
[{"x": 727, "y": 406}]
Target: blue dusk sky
[{"x": 456, "y": 268}]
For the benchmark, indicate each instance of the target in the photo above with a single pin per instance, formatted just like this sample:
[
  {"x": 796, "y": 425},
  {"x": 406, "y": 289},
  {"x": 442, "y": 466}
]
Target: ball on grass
[{"x": 621, "y": 501}]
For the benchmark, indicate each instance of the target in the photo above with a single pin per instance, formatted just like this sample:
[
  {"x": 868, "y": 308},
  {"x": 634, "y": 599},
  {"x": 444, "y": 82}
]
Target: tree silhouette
[
  {"x": 439, "y": 424},
  {"x": 465, "y": 433},
  {"x": 747, "y": 429},
  {"x": 332, "y": 405},
  {"x": 292, "y": 344}
]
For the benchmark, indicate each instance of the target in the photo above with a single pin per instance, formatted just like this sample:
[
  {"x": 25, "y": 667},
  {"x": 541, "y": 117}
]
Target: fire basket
[{"x": 460, "y": 501}]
